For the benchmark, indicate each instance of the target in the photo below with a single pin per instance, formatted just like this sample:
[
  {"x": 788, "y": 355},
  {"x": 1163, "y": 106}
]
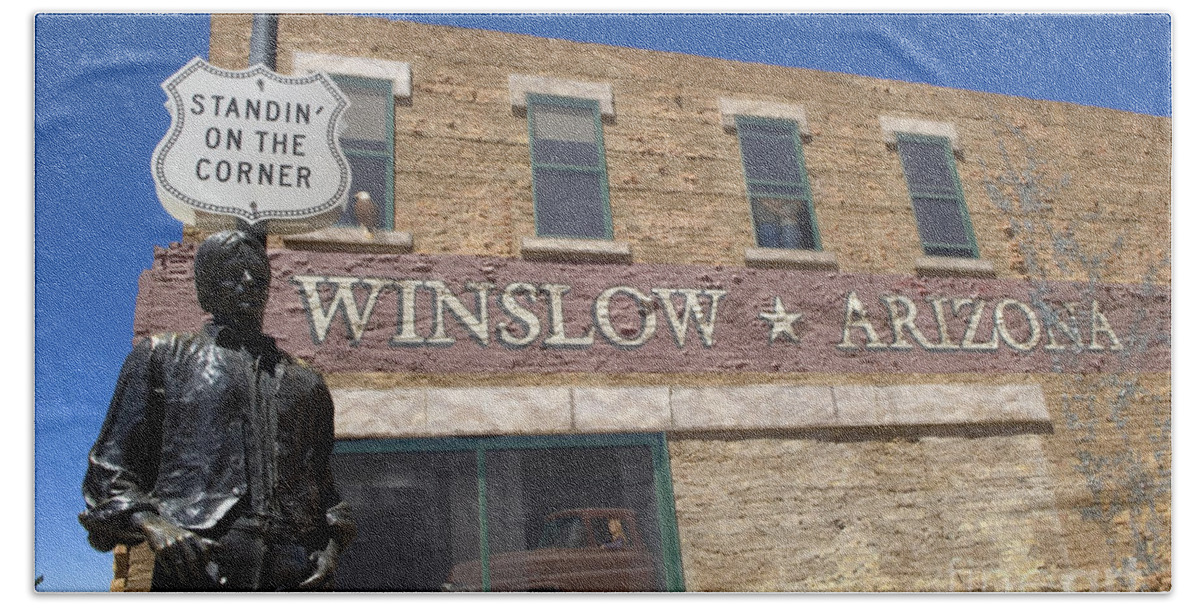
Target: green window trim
[
  {"x": 664, "y": 495},
  {"x": 600, "y": 169},
  {"x": 358, "y": 149},
  {"x": 967, "y": 249},
  {"x": 798, "y": 190}
]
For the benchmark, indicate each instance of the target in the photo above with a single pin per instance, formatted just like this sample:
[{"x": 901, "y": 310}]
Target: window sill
[
  {"x": 791, "y": 259},
  {"x": 547, "y": 249},
  {"x": 350, "y": 239},
  {"x": 938, "y": 266}
]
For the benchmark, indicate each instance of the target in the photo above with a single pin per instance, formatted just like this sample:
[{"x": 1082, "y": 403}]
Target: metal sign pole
[
  {"x": 263, "y": 35},
  {"x": 264, "y": 32}
]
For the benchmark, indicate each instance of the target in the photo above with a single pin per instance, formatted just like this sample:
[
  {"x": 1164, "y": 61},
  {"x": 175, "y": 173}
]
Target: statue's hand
[
  {"x": 325, "y": 562},
  {"x": 180, "y": 550}
]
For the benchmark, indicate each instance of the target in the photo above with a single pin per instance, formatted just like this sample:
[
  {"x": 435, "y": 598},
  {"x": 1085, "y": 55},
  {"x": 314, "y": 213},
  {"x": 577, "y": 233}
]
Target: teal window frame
[
  {"x": 664, "y": 493},
  {"x": 759, "y": 187},
  {"x": 601, "y": 170},
  {"x": 387, "y": 205},
  {"x": 971, "y": 248}
]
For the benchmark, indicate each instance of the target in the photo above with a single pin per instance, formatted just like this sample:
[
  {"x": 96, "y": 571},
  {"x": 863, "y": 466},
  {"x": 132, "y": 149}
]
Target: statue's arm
[
  {"x": 342, "y": 528},
  {"x": 339, "y": 523},
  {"x": 123, "y": 463}
]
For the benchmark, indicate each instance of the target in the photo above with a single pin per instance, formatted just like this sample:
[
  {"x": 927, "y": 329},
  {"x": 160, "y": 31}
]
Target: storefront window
[
  {"x": 417, "y": 516},
  {"x": 591, "y": 513}
]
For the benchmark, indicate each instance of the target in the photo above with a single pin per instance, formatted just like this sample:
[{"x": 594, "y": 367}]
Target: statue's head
[{"x": 232, "y": 278}]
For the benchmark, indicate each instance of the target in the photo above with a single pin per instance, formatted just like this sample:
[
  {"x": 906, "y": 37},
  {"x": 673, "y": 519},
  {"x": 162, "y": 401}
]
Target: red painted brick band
[{"x": 424, "y": 316}]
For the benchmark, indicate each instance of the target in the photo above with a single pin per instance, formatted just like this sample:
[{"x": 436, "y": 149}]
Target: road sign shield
[{"x": 252, "y": 144}]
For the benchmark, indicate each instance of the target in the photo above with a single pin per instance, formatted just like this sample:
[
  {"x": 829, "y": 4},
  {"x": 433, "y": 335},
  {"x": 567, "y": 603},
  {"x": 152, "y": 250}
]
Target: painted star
[{"x": 781, "y": 322}]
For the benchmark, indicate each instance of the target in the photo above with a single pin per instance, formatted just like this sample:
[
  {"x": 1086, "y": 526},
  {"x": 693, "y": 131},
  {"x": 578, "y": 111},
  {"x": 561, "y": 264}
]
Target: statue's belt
[{"x": 271, "y": 530}]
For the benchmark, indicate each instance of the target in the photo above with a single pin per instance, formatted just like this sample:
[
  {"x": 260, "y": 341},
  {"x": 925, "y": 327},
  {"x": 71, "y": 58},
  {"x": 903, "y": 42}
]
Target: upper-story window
[
  {"x": 927, "y": 156},
  {"x": 777, "y": 183},
  {"x": 368, "y": 140},
  {"x": 570, "y": 179},
  {"x": 374, "y": 87},
  {"x": 942, "y": 218}
]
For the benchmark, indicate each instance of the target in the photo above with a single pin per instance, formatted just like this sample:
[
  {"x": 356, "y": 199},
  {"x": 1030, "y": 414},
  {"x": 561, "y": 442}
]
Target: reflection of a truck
[{"x": 579, "y": 550}]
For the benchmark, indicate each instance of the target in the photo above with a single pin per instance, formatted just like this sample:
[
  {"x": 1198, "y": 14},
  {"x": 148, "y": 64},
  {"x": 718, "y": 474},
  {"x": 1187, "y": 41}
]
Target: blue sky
[
  {"x": 1120, "y": 62},
  {"x": 99, "y": 113}
]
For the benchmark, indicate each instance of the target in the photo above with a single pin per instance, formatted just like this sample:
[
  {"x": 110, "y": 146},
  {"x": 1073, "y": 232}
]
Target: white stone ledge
[
  {"x": 575, "y": 250},
  {"x": 894, "y": 124},
  {"x": 447, "y": 412},
  {"x": 379, "y": 413},
  {"x": 498, "y": 410},
  {"x": 751, "y": 407},
  {"x": 732, "y": 108},
  {"x": 943, "y": 266},
  {"x": 793, "y": 259},
  {"x": 521, "y": 85},
  {"x": 351, "y": 239},
  {"x": 399, "y": 72},
  {"x": 938, "y": 404},
  {"x": 603, "y": 409}
]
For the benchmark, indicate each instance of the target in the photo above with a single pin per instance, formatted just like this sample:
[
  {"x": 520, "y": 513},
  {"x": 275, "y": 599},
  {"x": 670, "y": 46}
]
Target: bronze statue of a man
[{"x": 215, "y": 450}]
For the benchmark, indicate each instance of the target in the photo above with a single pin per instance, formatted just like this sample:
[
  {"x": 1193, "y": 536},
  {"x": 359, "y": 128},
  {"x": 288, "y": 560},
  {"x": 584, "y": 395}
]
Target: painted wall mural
[{"x": 418, "y": 313}]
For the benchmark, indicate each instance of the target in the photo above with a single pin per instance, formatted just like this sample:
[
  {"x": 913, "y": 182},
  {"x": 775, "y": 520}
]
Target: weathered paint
[{"x": 417, "y": 313}]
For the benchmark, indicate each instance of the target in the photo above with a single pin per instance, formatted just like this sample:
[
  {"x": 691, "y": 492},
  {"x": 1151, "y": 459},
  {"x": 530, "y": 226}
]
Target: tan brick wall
[
  {"x": 1086, "y": 507},
  {"x": 463, "y": 183},
  {"x": 934, "y": 514},
  {"x": 1110, "y": 456},
  {"x": 132, "y": 568}
]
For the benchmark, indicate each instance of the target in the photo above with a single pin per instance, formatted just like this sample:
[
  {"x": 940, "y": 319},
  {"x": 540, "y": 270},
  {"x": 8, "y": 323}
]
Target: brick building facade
[{"x": 814, "y": 331}]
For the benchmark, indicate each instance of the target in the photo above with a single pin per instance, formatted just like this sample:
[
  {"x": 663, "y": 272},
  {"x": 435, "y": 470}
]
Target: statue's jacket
[{"x": 201, "y": 423}]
